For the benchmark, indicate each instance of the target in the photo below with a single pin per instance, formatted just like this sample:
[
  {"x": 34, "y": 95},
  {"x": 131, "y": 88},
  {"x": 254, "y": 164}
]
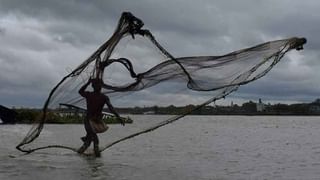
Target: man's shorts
[{"x": 98, "y": 126}]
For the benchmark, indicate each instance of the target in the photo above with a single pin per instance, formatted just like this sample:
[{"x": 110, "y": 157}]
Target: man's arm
[
  {"x": 82, "y": 91},
  {"x": 111, "y": 109}
]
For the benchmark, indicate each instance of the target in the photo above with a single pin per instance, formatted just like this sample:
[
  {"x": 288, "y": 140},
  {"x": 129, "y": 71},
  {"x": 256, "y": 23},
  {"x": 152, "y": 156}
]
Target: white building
[{"x": 260, "y": 106}]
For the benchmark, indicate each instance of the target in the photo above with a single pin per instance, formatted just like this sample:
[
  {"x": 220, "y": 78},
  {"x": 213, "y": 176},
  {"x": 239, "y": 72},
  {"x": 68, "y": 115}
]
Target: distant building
[
  {"x": 149, "y": 112},
  {"x": 315, "y": 106},
  {"x": 260, "y": 106}
]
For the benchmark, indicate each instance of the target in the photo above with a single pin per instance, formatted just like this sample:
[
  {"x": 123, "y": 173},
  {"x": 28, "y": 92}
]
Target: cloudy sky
[{"x": 42, "y": 40}]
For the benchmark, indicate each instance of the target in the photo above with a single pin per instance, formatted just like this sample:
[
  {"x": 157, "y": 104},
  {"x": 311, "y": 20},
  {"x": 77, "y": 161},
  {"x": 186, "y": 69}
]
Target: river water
[{"x": 194, "y": 148}]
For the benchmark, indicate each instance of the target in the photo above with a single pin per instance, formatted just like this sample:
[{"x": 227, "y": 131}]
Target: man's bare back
[{"x": 95, "y": 104}]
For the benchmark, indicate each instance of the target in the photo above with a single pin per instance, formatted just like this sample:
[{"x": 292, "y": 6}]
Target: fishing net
[{"x": 137, "y": 71}]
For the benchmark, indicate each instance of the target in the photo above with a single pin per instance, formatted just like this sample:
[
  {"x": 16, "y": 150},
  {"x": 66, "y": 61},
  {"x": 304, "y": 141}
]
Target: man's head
[{"x": 96, "y": 84}]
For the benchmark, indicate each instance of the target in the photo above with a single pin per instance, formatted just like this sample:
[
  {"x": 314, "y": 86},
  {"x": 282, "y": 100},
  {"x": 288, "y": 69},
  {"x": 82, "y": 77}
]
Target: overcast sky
[{"x": 42, "y": 40}]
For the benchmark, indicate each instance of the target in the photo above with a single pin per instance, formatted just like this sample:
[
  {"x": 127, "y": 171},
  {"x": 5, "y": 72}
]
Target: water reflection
[{"x": 95, "y": 168}]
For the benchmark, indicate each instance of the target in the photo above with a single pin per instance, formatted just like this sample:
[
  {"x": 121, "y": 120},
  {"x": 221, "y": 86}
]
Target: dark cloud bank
[{"x": 40, "y": 41}]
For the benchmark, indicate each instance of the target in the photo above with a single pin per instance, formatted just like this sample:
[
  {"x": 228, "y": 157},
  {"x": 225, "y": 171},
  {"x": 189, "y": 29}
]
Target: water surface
[{"x": 196, "y": 147}]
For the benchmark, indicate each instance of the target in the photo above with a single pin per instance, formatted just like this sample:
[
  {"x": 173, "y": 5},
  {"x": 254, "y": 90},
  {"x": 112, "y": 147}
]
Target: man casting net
[{"x": 149, "y": 79}]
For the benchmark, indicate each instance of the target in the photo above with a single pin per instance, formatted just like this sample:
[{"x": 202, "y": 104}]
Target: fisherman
[{"x": 93, "y": 122}]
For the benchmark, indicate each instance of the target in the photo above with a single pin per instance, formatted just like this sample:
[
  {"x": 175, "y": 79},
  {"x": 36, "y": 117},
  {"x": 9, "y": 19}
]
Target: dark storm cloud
[
  {"x": 75, "y": 22},
  {"x": 40, "y": 40}
]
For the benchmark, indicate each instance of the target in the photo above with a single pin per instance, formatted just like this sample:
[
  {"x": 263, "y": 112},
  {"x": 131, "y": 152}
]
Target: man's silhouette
[{"x": 93, "y": 122}]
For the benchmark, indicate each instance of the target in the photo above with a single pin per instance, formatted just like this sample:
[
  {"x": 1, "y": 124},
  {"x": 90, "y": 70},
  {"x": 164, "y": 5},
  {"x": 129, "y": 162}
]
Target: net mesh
[{"x": 150, "y": 76}]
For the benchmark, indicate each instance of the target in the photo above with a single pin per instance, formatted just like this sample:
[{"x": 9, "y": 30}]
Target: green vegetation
[{"x": 27, "y": 116}]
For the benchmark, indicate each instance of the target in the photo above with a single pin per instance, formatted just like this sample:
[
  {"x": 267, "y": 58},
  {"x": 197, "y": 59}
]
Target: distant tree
[
  {"x": 155, "y": 109},
  {"x": 249, "y": 107},
  {"x": 281, "y": 108}
]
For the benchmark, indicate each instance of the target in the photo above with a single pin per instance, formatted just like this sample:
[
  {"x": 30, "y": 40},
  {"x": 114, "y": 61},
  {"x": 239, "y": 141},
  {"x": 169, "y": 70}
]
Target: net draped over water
[{"x": 148, "y": 74}]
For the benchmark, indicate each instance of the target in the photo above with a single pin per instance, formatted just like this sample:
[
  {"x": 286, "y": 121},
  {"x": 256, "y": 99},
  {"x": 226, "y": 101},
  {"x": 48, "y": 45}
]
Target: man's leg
[
  {"x": 96, "y": 145},
  {"x": 86, "y": 144},
  {"x": 87, "y": 139},
  {"x": 84, "y": 138}
]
